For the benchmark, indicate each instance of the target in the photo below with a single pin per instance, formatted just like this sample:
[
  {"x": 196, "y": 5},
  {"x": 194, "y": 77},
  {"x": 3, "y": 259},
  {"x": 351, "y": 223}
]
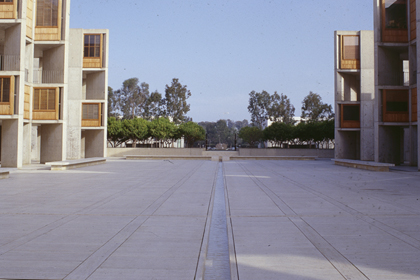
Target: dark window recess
[
  {"x": 396, "y": 101},
  {"x": 396, "y": 106},
  {"x": 351, "y": 113},
  {"x": 396, "y": 14}
]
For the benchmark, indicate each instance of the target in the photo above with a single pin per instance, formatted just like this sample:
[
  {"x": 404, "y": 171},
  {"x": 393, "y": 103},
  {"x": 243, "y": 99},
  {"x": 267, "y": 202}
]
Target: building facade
[
  {"x": 53, "y": 84},
  {"x": 376, "y": 87}
]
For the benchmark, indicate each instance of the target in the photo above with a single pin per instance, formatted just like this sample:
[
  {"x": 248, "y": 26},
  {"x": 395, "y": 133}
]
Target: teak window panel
[
  {"x": 7, "y": 85},
  {"x": 48, "y": 20},
  {"x": 350, "y": 52},
  {"x": 413, "y": 25},
  {"x": 91, "y": 114},
  {"x": 47, "y": 13},
  {"x": 395, "y": 105},
  {"x": 8, "y": 9},
  {"x": 92, "y": 51},
  {"x": 394, "y": 21},
  {"x": 350, "y": 116},
  {"x": 45, "y": 104}
]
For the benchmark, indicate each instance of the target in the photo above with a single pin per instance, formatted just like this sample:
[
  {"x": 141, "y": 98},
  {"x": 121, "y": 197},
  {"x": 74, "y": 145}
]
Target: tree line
[
  {"x": 134, "y": 100},
  {"x": 316, "y": 125},
  {"x": 159, "y": 130}
]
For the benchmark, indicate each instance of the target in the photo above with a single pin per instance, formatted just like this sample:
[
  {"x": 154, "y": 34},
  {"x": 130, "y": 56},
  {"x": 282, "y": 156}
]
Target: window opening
[
  {"x": 5, "y": 90},
  {"x": 396, "y": 14},
  {"x": 92, "y": 46},
  {"x": 47, "y": 13},
  {"x": 44, "y": 99}
]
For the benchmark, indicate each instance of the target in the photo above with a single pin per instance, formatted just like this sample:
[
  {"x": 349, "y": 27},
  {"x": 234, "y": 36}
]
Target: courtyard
[{"x": 150, "y": 219}]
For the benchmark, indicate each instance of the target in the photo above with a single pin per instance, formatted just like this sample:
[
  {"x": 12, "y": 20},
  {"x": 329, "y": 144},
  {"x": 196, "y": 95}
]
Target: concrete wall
[
  {"x": 93, "y": 140},
  {"x": 10, "y": 144},
  {"x": 95, "y": 85},
  {"x": 287, "y": 152},
  {"x": 51, "y": 143},
  {"x": 120, "y": 152}
]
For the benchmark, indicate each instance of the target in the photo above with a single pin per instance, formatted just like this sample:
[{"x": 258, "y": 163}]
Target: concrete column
[
  {"x": 26, "y": 151},
  {"x": 11, "y": 144},
  {"x": 52, "y": 143}
]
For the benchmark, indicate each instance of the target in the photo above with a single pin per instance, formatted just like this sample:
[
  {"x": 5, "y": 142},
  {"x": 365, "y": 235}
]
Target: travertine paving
[{"x": 150, "y": 220}]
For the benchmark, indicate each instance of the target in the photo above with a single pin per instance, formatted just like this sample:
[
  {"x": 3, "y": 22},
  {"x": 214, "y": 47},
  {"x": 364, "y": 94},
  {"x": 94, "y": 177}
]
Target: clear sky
[{"x": 224, "y": 49}]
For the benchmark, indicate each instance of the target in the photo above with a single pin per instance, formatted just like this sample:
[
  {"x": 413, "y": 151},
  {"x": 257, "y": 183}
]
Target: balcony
[
  {"x": 350, "y": 115},
  {"x": 9, "y": 62},
  {"x": 395, "y": 106},
  {"x": 91, "y": 114},
  {"x": 8, "y": 9},
  {"x": 41, "y": 76}
]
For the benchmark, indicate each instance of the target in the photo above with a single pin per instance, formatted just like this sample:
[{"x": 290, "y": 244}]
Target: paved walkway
[{"x": 151, "y": 219}]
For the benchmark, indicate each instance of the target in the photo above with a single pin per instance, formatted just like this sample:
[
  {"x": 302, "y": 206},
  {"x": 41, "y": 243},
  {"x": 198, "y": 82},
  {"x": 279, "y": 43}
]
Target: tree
[
  {"x": 176, "y": 96},
  {"x": 192, "y": 132},
  {"x": 259, "y": 104},
  {"x": 154, "y": 107},
  {"x": 251, "y": 134},
  {"x": 115, "y": 132},
  {"x": 113, "y": 108},
  {"x": 314, "y": 109},
  {"x": 281, "y": 109},
  {"x": 137, "y": 129},
  {"x": 163, "y": 130},
  {"x": 278, "y": 132},
  {"x": 132, "y": 98}
]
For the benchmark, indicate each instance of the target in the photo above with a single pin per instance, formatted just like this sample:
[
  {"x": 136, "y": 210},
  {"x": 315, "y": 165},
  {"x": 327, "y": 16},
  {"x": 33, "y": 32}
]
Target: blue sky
[{"x": 222, "y": 50}]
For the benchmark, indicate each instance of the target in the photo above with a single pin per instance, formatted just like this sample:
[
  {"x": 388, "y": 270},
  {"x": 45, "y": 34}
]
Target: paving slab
[{"x": 148, "y": 220}]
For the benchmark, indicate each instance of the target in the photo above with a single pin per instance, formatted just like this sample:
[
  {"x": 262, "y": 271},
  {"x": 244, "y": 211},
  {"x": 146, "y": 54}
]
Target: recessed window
[
  {"x": 396, "y": 101},
  {"x": 5, "y": 90},
  {"x": 90, "y": 112},
  {"x": 6, "y": 1},
  {"x": 351, "y": 113},
  {"x": 351, "y": 48},
  {"x": 92, "y": 46},
  {"x": 396, "y": 14},
  {"x": 44, "y": 99},
  {"x": 47, "y": 13}
]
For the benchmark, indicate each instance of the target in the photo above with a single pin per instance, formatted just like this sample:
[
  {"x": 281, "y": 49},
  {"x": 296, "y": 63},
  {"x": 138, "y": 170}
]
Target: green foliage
[
  {"x": 132, "y": 98},
  {"x": 176, "y": 96},
  {"x": 191, "y": 132},
  {"x": 251, "y": 134},
  {"x": 163, "y": 130},
  {"x": 113, "y": 105},
  {"x": 259, "y": 104},
  {"x": 314, "y": 109},
  {"x": 263, "y": 106},
  {"x": 116, "y": 135},
  {"x": 154, "y": 107},
  {"x": 310, "y": 132},
  {"x": 278, "y": 133},
  {"x": 136, "y": 129}
]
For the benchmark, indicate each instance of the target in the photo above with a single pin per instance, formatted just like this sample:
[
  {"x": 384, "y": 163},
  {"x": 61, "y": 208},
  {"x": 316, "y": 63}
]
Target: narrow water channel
[{"x": 217, "y": 260}]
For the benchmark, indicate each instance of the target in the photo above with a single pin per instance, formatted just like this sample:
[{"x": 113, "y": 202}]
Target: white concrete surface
[{"x": 147, "y": 219}]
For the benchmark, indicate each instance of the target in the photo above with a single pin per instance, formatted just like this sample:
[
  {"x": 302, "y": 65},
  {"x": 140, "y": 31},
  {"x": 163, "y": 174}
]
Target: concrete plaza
[{"x": 150, "y": 220}]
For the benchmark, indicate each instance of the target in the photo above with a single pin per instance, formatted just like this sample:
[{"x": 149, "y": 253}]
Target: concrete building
[
  {"x": 354, "y": 95},
  {"x": 53, "y": 84},
  {"x": 376, "y": 87}
]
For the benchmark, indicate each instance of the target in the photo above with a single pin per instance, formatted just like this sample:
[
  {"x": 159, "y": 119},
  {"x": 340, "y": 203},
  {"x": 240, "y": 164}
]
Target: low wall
[
  {"x": 287, "y": 152},
  {"x": 121, "y": 152}
]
